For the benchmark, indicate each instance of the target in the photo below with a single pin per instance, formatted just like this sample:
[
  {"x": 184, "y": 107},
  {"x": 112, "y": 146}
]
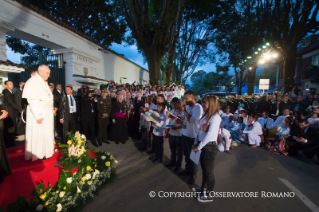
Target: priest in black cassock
[
  {"x": 119, "y": 118},
  {"x": 5, "y": 168}
]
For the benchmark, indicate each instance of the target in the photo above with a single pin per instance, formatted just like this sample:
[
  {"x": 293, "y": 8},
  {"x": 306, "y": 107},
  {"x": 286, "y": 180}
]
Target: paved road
[{"x": 245, "y": 170}]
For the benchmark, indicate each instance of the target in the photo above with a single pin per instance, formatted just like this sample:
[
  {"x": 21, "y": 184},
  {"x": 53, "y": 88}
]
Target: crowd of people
[{"x": 282, "y": 123}]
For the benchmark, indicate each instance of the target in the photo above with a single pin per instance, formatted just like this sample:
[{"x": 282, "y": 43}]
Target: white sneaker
[{"x": 204, "y": 198}]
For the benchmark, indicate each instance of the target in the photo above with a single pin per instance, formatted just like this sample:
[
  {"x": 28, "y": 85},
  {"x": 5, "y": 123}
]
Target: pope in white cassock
[{"x": 39, "y": 127}]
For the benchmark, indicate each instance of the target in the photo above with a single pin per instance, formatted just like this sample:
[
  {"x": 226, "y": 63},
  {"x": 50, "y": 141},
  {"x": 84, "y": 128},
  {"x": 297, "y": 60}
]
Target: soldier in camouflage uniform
[{"x": 104, "y": 105}]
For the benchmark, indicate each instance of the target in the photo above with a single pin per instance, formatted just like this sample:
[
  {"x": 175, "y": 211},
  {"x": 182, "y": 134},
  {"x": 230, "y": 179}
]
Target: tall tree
[
  {"x": 288, "y": 22},
  {"x": 153, "y": 25},
  {"x": 237, "y": 35},
  {"x": 99, "y": 19}
]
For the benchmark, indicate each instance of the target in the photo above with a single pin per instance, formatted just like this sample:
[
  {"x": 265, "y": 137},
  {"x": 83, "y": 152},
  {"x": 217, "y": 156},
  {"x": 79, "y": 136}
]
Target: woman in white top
[
  {"x": 153, "y": 91},
  {"x": 207, "y": 143}
]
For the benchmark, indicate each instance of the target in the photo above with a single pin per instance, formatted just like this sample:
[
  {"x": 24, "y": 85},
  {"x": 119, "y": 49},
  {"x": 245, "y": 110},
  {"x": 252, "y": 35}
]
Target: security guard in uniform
[{"x": 104, "y": 105}]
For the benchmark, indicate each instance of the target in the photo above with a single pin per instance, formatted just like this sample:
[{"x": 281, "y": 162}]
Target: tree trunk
[
  {"x": 154, "y": 66},
  {"x": 289, "y": 70},
  {"x": 251, "y": 79},
  {"x": 170, "y": 66},
  {"x": 238, "y": 81}
]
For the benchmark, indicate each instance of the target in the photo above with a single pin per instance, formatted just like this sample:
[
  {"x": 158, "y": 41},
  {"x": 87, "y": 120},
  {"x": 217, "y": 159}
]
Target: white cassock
[
  {"x": 254, "y": 133},
  {"x": 39, "y": 137}
]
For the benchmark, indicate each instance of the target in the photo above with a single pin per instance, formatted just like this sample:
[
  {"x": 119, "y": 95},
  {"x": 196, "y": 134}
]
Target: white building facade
[{"x": 85, "y": 60}]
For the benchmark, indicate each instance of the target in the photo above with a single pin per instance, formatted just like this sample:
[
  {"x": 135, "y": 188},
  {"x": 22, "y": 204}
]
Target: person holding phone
[{"x": 303, "y": 139}]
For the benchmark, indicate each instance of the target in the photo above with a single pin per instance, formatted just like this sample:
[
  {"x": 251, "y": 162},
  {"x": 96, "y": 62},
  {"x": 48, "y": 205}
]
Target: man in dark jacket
[
  {"x": 13, "y": 110},
  {"x": 87, "y": 116},
  {"x": 57, "y": 95},
  {"x": 283, "y": 104},
  {"x": 303, "y": 138},
  {"x": 19, "y": 101},
  {"x": 300, "y": 105},
  {"x": 69, "y": 112},
  {"x": 263, "y": 105}
]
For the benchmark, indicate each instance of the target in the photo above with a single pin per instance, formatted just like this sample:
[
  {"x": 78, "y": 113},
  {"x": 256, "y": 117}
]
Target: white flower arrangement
[
  {"x": 97, "y": 167},
  {"x": 88, "y": 176},
  {"x": 59, "y": 207},
  {"x": 78, "y": 190},
  {"x": 69, "y": 180},
  {"x": 39, "y": 207}
]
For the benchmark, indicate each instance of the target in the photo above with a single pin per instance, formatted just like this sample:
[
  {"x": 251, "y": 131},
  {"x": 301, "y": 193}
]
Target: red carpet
[{"x": 26, "y": 175}]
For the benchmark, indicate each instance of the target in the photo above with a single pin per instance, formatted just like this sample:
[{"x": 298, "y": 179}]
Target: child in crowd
[
  {"x": 277, "y": 143},
  {"x": 158, "y": 133},
  {"x": 229, "y": 124},
  {"x": 144, "y": 128},
  {"x": 235, "y": 131},
  {"x": 175, "y": 135},
  {"x": 224, "y": 135},
  {"x": 314, "y": 121},
  {"x": 253, "y": 132}
]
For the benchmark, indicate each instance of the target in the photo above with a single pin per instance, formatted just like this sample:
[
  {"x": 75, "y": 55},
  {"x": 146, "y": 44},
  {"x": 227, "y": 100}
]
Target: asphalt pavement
[{"x": 255, "y": 179}]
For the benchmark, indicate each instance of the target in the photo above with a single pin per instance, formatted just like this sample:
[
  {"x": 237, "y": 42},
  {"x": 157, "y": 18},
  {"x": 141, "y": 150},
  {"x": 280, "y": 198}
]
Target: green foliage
[
  {"x": 203, "y": 82},
  {"x": 74, "y": 187},
  {"x": 33, "y": 51},
  {"x": 20, "y": 205},
  {"x": 99, "y": 19}
]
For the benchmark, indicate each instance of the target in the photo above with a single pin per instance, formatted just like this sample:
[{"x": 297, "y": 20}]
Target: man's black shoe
[
  {"x": 157, "y": 161},
  {"x": 152, "y": 158},
  {"x": 151, "y": 151}
]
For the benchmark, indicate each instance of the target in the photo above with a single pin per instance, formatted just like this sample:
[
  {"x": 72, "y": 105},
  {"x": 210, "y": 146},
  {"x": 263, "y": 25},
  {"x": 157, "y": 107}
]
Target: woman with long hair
[{"x": 207, "y": 143}]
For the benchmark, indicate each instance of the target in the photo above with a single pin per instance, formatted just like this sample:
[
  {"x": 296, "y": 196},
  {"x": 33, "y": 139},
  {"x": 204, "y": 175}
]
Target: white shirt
[
  {"x": 153, "y": 107},
  {"x": 245, "y": 119},
  {"x": 160, "y": 127},
  {"x": 144, "y": 123},
  {"x": 255, "y": 129},
  {"x": 71, "y": 98},
  {"x": 179, "y": 114},
  {"x": 191, "y": 127},
  {"x": 283, "y": 131},
  {"x": 182, "y": 92},
  {"x": 225, "y": 118},
  {"x": 153, "y": 92},
  {"x": 280, "y": 119},
  {"x": 268, "y": 122},
  {"x": 212, "y": 132}
]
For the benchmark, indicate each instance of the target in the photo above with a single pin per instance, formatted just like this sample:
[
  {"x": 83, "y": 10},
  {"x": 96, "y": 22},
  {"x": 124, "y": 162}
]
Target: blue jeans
[
  {"x": 159, "y": 142},
  {"x": 175, "y": 144}
]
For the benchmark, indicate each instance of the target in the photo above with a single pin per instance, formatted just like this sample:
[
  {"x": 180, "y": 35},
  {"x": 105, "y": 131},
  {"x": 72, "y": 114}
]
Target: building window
[{"x": 315, "y": 60}]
